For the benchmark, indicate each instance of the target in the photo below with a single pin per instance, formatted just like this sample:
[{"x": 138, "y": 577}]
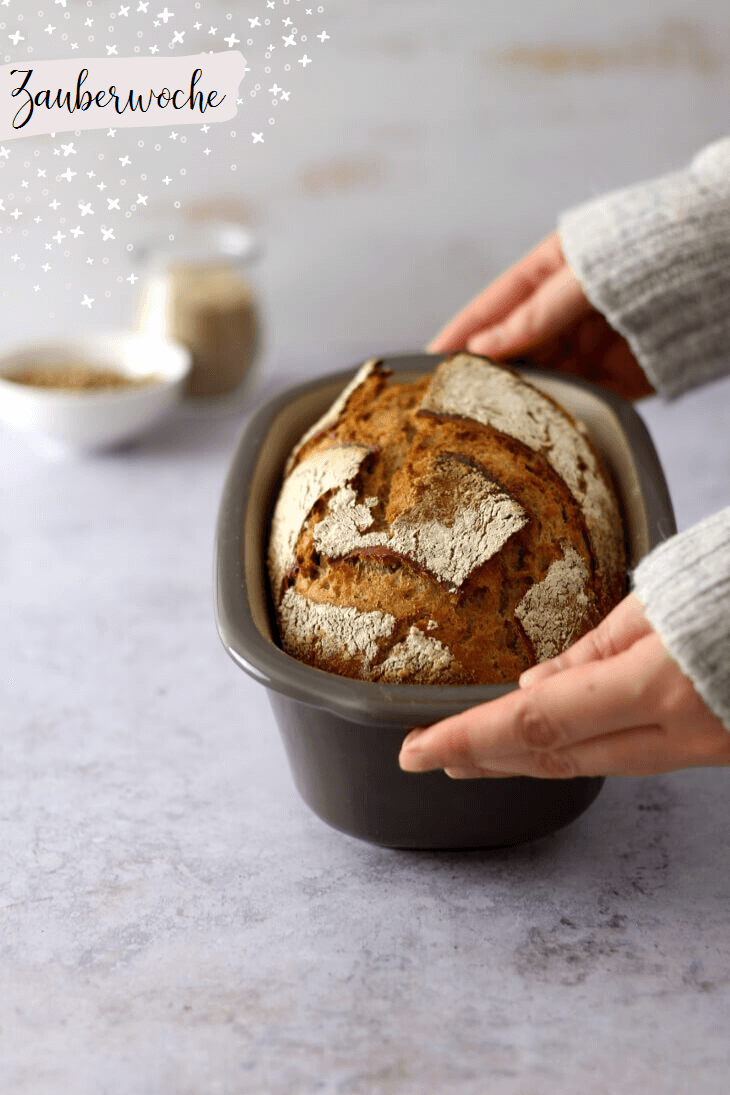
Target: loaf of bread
[{"x": 452, "y": 530}]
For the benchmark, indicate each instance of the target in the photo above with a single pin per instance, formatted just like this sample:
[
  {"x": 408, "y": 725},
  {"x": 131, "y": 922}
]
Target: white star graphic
[
  {"x": 108, "y": 233},
  {"x": 255, "y": 22},
  {"x": 232, "y": 41},
  {"x": 17, "y": 37},
  {"x": 154, "y": 49},
  {"x": 324, "y": 36},
  {"x": 304, "y": 61},
  {"x": 86, "y": 209},
  {"x": 88, "y": 301},
  {"x": 167, "y": 180},
  {"x": 258, "y": 138},
  {"x": 54, "y": 205},
  {"x": 165, "y": 15},
  {"x": 142, "y": 199},
  {"x": 68, "y": 149},
  {"x": 111, "y": 132},
  {"x": 132, "y": 278},
  {"x": 68, "y": 174},
  {"x": 49, "y": 29},
  {"x": 111, "y": 50},
  {"x": 143, "y": 6},
  {"x": 16, "y": 213},
  {"x": 124, "y": 161},
  {"x": 113, "y": 203},
  {"x": 76, "y": 232},
  {"x": 4, "y": 152},
  {"x": 45, "y": 268}
]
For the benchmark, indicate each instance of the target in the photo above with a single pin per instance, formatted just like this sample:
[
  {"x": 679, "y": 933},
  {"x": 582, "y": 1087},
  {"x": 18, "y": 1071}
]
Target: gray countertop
[{"x": 174, "y": 921}]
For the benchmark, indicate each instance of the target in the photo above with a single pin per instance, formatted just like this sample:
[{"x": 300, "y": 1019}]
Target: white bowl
[{"x": 95, "y": 418}]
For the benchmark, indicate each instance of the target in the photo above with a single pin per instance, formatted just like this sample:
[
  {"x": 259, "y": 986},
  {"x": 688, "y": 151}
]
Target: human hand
[
  {"x": 538, "y": 311},
  {"x": 613, "y": 704}
]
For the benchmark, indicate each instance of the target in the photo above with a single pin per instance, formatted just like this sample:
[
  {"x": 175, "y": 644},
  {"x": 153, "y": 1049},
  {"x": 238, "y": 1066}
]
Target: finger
[
  {"x": 556, "y": 302},
  {"x": 577, "y": 704},
  {"x": 495, "y": 302},
  {"x": 634, "y": 751},
  {"x": 623, "y": 626},
  {"x": 477, "y": 773}
]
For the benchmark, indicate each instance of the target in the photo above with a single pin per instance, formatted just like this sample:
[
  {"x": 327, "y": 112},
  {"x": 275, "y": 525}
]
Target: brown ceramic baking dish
[{"x": 342, "y": 736}]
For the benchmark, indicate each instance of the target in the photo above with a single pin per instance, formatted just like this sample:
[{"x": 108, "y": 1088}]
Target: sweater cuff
[
  {"x": 654, "y": 259},
  {"x": 684, "y": 586}
]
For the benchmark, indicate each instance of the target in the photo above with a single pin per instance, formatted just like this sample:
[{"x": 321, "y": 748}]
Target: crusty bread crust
[{"x": 453, "y": 530}]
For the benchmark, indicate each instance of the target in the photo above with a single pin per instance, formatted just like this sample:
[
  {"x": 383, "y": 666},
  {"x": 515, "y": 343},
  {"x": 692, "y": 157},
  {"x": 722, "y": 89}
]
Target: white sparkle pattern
[{"x": 167, "y": 155}]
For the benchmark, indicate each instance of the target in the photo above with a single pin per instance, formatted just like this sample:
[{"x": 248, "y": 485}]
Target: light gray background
[{"x": 173, "y": 921}]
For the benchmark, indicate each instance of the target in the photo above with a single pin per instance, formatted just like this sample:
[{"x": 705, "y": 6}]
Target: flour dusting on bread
[
  {"x": 477, "y": 518},
  {"x": 499, "y": 398},
  {"x": 309, "y": 482},
  {"x": 551, "y": 611}
]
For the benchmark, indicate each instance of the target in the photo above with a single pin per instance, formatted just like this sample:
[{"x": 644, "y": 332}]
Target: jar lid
[{"x": 178, "y": 241}]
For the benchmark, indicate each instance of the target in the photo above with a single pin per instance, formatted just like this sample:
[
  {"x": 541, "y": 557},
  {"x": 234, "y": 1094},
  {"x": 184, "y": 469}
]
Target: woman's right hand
[{"x": 537, "y": 311}]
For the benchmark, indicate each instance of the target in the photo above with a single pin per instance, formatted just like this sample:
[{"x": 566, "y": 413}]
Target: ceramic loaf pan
[{"x": 343, "y": 736}]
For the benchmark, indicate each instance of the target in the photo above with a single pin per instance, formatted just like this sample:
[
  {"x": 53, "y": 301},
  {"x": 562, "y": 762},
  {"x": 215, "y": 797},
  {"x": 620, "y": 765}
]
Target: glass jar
[{"x": 197, "y": 289}]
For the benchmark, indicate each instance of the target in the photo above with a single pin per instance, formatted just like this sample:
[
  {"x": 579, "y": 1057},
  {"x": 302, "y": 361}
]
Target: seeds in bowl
[{"x": 75, "y": 376}]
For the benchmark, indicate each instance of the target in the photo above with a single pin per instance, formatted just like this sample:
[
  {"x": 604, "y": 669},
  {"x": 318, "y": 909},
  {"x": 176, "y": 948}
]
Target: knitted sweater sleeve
[{"x": 655, "y": 260}]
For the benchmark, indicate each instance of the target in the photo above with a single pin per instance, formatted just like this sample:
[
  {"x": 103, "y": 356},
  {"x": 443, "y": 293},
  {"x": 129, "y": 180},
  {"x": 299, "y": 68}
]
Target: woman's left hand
[{"x": 613, "y": 704}]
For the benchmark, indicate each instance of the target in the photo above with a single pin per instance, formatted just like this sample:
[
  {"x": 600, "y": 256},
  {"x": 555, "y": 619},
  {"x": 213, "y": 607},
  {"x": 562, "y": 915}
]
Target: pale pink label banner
[{"x": 123, "y": 92}]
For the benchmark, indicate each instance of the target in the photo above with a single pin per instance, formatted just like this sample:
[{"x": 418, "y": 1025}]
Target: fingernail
[
  {"x": 410, "y": 739},
  {"x": 412, "y": 761},
  {"x": 488, "y": 342},
  {"x": 538, "y": 672}
]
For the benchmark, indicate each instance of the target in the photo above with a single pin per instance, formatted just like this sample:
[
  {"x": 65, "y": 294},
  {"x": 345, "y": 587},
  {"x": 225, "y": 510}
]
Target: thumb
[{"x": 556, "y": 303}]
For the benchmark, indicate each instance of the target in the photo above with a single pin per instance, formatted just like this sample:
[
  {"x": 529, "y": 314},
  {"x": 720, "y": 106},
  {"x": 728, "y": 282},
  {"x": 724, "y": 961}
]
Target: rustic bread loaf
[{"x": 452, "y": 530}]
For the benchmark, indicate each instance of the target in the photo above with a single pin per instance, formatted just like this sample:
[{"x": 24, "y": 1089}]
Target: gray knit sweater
[{"x": 655, "y": 260}]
